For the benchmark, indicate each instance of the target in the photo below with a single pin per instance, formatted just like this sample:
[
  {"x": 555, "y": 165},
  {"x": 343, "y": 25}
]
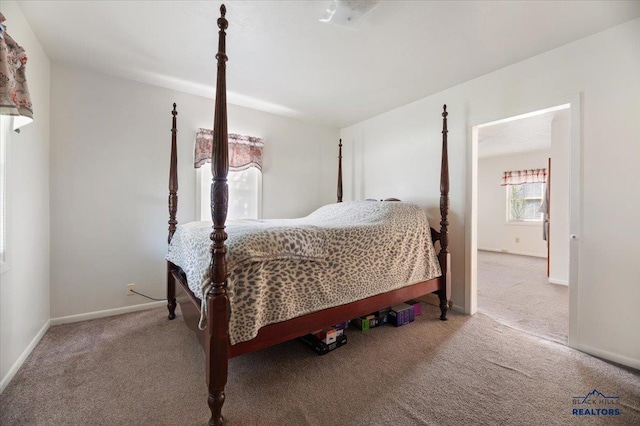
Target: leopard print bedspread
[{"x": 283, "y": 268}]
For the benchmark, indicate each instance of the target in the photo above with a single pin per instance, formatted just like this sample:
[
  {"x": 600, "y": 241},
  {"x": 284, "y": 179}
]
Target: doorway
[{"x": 508, "y": 259}]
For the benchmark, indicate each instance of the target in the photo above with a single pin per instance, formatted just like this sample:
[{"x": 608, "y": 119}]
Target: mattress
[{"x": 284, "y": 268}]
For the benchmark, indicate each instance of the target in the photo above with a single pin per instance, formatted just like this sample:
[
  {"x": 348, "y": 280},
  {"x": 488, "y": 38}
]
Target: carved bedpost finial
[
  {"x": 340, "y": 171},
  {"x": 223, "y": 24}
]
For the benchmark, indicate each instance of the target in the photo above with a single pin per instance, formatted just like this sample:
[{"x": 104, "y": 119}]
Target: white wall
[
  {"x": 292, "y": 182},
  {"x": 397, "y": 155},
  {"x": 559, "y": 205},
  {"x": 110, "y": 145},
  {"x": 494, "y": 232},
  {"x": 24, "y": 288}
]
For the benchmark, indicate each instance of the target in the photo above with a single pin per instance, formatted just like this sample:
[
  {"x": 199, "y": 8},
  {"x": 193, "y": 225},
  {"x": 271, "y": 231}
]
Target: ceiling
[
  {"x": 518, "y": 136},
  {"x": 283, "y": 60}
]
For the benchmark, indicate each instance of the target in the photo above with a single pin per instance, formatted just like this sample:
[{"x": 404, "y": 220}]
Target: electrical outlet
[
  {"x": 130, "y": 288},
  {"x": 517, "y": 239}
]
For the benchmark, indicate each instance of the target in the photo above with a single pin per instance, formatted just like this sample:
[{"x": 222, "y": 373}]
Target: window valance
[
  {"x": 14, "y": 93},
  {"x": 244, "y": 151},
  {"x": 518, "y": 177}
]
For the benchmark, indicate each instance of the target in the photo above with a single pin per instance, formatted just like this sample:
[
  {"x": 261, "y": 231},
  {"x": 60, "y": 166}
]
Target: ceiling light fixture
[{"x": 348, "y": 13}]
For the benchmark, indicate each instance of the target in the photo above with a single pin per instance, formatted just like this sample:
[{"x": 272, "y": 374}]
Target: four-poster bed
[{"x": 214, "y": 311}]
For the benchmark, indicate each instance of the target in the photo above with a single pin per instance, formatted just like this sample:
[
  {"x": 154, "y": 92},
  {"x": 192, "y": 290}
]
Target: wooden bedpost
[
  {"x": 444, "y": 257},
  {"x": 340, "y": 171},
  {"x": 217, "y": 334},
  {"x": 173, "y": 210}
]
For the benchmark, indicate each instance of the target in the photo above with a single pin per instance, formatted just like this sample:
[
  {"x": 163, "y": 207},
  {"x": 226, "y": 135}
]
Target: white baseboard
[
  {"x": 610, "y": 356},
  {"x": 557, "y": 281},
  {"x": 66, "y": 320},
  {"x": 106, "y": 313},
  {"x": 513, "y": 252},
  {"x": 23, "y": 357}
]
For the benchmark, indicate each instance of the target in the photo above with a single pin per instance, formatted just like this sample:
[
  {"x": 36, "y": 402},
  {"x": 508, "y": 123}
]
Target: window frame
[{"x": 526, "y": 222}]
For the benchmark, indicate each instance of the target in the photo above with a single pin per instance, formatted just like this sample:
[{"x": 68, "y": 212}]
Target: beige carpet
[
  {"x": 515, "y": 290},
  {"x": 140, "y": 368}
]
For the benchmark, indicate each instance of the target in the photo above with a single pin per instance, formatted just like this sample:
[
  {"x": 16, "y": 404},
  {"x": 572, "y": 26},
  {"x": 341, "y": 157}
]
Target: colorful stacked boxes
[
  {"x": 330, "y": 338},
  {"x": 401, "y": 314},
  {"x": 375, "y": 319},
  {"x": 398, "y": 315},
  {"x": 417, "y": 306},
  {"x": 325, "y": 340}
]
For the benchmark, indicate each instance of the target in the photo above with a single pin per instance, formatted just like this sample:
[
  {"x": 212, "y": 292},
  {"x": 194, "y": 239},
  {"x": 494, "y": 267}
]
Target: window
[
  {"x": 245, "y": 193},
  {"x": 6, "y": 123},
  {"x": 524, "y": 201},
  {"x": 244, "y": 178}
]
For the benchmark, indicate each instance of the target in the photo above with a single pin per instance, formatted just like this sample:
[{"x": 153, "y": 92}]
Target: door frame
[{"x": 575, "y": 202}]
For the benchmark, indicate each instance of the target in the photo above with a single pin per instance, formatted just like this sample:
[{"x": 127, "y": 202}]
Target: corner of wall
[{"x": 26, "y": 286}]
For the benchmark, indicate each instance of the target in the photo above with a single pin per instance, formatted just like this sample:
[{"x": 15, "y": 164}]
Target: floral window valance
[
  {"x": 14, "y": 93},
  {"x": 518, "y": 177},
  {"x": 244, "y": 151}
]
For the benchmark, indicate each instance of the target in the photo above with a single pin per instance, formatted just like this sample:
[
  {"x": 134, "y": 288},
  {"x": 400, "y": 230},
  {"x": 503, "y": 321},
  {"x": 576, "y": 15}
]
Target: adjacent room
[
  {"x": 319, "y": 212},
  {"x": 523, "y": 222}
]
